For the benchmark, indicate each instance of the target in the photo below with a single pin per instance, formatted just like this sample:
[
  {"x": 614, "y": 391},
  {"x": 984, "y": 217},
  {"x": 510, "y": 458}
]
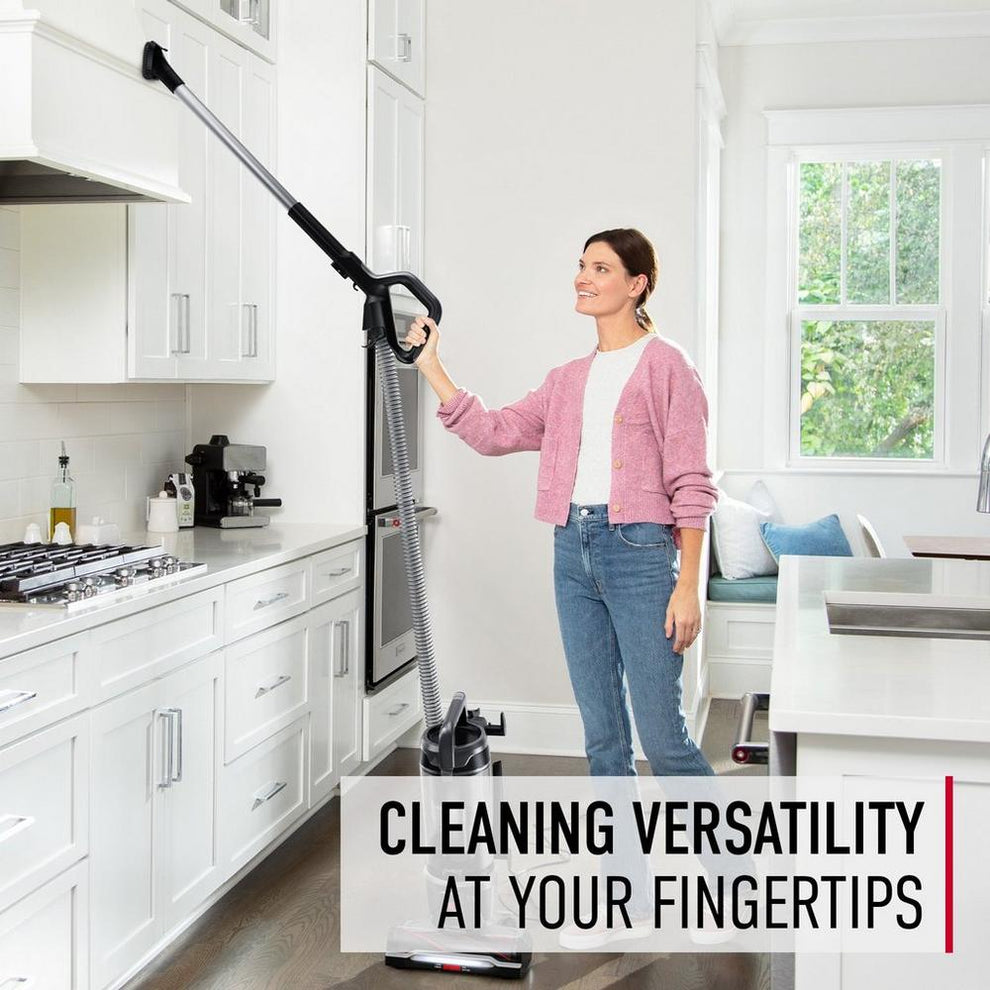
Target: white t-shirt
[{"x": 610, "y": 370}]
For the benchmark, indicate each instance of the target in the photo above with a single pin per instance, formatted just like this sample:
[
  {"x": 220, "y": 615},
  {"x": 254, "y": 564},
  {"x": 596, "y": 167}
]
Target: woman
[{"x": 623, "y": 476}]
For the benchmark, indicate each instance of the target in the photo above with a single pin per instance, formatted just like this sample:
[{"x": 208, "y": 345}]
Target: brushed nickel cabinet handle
[
  {"x": 17, "y": 983},
  {"x": 278, "y": 682},
  {"x": 260, "y": 799},
  {"x": 168, "y": 746},
  {"x": 177, "y": 776},
  {"x": 398, "y": 709},
  {"x": 11, "y": 699},
  {"x": 265, "y": 602},
  {"x": 346, "y": 645},
  {"x": 10, "y": 825},
  {"x": 338, "y": 670},
  {"x": 338, "y": 572}
]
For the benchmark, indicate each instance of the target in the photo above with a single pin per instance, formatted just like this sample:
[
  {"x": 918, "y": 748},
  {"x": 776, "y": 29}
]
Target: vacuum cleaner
[{"x": 455, "y": 744}]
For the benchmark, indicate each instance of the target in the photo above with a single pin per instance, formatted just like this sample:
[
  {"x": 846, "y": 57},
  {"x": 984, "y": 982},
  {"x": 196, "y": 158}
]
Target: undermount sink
[{"x": 870, "y": 617}]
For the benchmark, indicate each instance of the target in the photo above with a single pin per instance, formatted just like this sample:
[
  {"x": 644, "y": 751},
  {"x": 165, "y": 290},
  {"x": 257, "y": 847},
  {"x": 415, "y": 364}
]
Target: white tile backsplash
[{"x": 122, "y": 440}]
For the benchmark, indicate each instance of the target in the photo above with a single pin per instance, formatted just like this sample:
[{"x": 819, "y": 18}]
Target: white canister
[{"x": 161, "y": 514}]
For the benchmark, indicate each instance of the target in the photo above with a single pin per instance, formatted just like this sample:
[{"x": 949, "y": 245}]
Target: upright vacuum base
[{"x": 408, "y": 943}]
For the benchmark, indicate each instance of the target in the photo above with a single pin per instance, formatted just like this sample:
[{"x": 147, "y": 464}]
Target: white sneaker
[{"x": 585, "y": 939}]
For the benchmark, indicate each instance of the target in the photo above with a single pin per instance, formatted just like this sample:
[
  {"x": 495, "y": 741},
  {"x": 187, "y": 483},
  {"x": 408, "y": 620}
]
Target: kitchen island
[{"x": 890, "y": 707}]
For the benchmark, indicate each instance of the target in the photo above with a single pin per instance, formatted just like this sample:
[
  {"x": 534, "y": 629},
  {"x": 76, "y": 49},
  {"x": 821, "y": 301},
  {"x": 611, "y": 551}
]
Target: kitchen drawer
[
  {"x": 261, "y": 600},
  {"x": 132, "y": 651},
  {"x": 390, "y": 712},
  {"x": 336, "y": 571},
  {"x": 739, "y": 631},
  {"x": 40, "y": 687},
  {"x": 262, "y": 793},
  {"x": 265, "y": 685},
  {"x": 43, "y": 807},
  {"x": 44, "y": 938}
]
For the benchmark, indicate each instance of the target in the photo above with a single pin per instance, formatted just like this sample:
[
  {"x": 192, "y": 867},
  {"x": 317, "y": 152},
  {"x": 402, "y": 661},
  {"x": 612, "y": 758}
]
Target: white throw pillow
[
  {"x": 760, "y": 498},
  {"x": 739, "y": 548}
]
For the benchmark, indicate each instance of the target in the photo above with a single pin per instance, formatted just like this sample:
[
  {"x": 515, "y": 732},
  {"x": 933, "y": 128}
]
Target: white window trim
[{"x": 960, "y": 136}]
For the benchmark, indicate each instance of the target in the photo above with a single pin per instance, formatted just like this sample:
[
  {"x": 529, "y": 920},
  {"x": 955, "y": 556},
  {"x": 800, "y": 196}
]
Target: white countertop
[
  {"x": 228, "y": 554},
  {"x": 893, "y": 686}
]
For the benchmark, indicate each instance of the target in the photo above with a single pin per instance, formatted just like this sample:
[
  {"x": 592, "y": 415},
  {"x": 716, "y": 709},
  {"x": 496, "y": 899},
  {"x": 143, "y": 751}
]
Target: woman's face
[{"x": 602, "y": 284}]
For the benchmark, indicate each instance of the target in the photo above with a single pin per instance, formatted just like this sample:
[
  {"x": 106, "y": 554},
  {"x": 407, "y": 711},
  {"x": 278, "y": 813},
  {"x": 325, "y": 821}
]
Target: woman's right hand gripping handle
[{"x": 428, "y": 362}]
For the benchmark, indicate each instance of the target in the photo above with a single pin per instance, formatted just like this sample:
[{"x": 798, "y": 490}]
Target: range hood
[{"x": 78, "y": 124}]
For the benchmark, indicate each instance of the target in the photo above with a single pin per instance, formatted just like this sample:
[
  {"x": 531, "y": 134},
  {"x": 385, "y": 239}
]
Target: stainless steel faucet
[{"x": 983, "y": 499}]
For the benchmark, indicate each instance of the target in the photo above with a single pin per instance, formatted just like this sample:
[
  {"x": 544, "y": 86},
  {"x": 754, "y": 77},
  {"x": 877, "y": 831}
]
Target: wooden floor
[{"x": 278, "y": 928}]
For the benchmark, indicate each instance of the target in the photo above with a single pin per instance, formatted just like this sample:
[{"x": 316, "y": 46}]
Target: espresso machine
[{"x": 223, "y": 472}]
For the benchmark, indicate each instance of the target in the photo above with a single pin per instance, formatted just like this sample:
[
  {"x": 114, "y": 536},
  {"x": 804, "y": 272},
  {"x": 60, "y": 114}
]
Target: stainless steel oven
[
  {"x": 391, "y": 644},
  {"x": 380, "y": 485}
]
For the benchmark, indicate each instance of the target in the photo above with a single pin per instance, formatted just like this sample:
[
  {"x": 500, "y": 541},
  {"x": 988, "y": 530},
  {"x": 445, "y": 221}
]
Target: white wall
[
  {"x": 122, "y": 440},
  {"x": 311, "y": 417},
  {"x": 886, "y": 73},
  {"x": 545, "y": 123}
]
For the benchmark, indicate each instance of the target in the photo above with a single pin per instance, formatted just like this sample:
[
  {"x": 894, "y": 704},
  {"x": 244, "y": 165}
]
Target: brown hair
[{"x": 638, "y": 257}]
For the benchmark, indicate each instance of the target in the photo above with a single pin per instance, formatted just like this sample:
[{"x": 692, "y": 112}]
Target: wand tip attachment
[{"x": 154, "y": 65}]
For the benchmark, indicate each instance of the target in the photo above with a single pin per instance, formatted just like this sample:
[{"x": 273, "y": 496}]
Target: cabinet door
[
  {"x": 187, "y": 855},
  {"x": 127, "y": 770},
  {"x": 167, "y": 244},
  {"x": 225, "y": 84},
  {"x": 397, "y": 40},
  {"x": 258, "y": 227},
  {"x": 395, "y": 177},
  {"x": 347, "y": 680}
]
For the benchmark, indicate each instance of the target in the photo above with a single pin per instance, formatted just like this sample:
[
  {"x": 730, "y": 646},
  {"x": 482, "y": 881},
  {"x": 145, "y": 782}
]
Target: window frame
[
  {"x": 960, "y": 137},
  {"x": 798, "y": 313}
]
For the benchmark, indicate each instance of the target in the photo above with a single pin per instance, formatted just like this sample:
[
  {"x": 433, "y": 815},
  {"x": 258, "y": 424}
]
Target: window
[{"x": 867, "y": 315}]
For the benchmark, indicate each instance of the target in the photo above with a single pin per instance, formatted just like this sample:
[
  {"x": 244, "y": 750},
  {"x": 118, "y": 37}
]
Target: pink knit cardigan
[{"x": 660, "y": 471}]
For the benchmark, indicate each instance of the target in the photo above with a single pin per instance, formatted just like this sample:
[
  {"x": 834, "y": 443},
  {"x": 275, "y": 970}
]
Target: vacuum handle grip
[{"x": 433, "y": 309}]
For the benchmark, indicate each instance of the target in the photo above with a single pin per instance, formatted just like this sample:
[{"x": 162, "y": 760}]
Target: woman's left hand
[{"x": 683, "y": 617}]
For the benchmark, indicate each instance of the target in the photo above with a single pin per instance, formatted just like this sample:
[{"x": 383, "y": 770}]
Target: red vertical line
[{"x": 948, "y": 864}]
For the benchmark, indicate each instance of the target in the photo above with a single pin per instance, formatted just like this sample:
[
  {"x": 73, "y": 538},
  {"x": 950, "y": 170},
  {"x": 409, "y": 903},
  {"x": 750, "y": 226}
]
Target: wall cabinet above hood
[{"x": 77, "y": 121}]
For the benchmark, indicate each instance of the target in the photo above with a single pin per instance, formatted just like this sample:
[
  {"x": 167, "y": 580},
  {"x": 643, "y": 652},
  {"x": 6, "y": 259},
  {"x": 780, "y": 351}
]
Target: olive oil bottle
[{"x": 63, "y": 500}]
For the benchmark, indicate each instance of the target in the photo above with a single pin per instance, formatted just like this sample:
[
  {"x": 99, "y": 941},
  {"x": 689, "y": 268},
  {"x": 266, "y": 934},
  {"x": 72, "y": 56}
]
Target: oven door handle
[
  {"x": 391, "y": 519},
  {"x": 744, "y": 750}
]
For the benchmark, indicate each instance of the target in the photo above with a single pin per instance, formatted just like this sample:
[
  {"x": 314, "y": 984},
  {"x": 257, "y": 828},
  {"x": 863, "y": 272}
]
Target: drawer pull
[
  {"x": 17, "y": 983},
  {"x": 339, "y": 572},
  {"x": 398, "y": 709},
  {"x": 265, "y": 602},
  {"x": 260, "y": 799},
  {"x": 10, "y": 825},
  {"x": 11, "y": 699},
  {"x": 278, "y": 682}
]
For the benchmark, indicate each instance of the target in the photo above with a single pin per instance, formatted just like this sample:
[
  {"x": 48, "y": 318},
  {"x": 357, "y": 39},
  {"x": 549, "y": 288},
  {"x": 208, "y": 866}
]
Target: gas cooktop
[{"x": 72, "y": 577}]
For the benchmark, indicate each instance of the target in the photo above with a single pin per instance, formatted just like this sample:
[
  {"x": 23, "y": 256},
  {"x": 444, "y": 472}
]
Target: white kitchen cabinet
[
  {"x": 335, "y": 635},
  {"x": 165, "y": 292},
  {"x": 154, "y": 844},
  {"x": 44, "y": 814},
  {"x": 397, "y": 40},
  {"x": 43, "y": 937},
  {"x": 395, "y": 177},
  {"x": 251, "y": 23},
  {"x": 389, "y": 713},
  {"x": 262, "y": 794},
  {"x": 264, "y": 685}
]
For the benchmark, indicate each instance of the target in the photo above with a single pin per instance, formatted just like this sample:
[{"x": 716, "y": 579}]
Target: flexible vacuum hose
[{"x": 411, "y": 551}]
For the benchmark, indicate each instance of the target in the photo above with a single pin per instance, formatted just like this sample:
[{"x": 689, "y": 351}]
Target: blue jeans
[{"x": 612, "y": 585}]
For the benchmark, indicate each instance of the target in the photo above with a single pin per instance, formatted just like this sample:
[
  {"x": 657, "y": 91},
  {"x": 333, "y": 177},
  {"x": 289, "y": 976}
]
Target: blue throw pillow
[{"x": 822, "y": 538}]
